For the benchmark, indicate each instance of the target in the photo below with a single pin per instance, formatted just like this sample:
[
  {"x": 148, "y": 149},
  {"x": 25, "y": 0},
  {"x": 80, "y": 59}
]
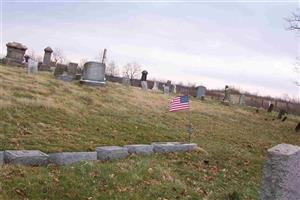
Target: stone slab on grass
[
  {"x": 26, "y": 157},
  {"x": 281, "y": 174},
  {"x": 144, "y": 149},
  {"x": 111, "y": 152},
  {"x": 169, "y": 147},
  {"x": 1, "y": 157},
  {"x": 67, "y": 158}
]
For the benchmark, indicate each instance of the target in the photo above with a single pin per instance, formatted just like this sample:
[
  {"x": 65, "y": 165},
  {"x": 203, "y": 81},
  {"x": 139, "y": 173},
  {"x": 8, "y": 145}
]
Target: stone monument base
[{"x": 93, "y": 83}]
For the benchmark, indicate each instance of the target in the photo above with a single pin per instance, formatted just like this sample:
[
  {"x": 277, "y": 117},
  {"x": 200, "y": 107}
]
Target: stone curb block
[
  {"x": 143, "y": 149},
  {"x": 26, "y": 157},
  {"x": 1, "y": 157},
  {"x": 111, "y": 152},
  {"x": 67, "y": 158},
  {"x": 169, "y": 147}
]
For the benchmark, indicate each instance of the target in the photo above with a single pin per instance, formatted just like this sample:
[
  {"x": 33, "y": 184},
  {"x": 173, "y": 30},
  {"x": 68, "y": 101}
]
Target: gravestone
[
  {"x": 297, "y": 128},
  {"x": 227, "y": 96},
  {"x": 46, "y": 65},
  {"x": 67, "y": 158},
  {"x": 111, "y": 152},
  {"x": 15, "y": 54},
  {"x": 26, "y": 157},
  {"x": 169, "y": 147},
  {"x": 166, "y": 89},
  {"x": 60, "y": 69},
  {"x": 201, "y": 90},
  {"x": 72, "y": 69},
  {"x": 143, "y": 149},
  {"x": 155, "y": 86},
  {"x": 242, "y": 100},
  {"x": 93, "y": 74},
  {"x": 144, "y": 80},
  {"x": 32, "y": 66},
  {"x": 174, "y": 89},
  {"x": 281, "y": 174},
  {"x": 271, "y": 106},
  {"x": 126, "y": 81},
  {"x": 281, "y": 113}
]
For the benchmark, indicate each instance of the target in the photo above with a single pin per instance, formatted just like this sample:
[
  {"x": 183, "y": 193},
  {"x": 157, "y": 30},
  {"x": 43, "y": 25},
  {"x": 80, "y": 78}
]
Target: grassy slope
[{"x": 39, "y": 112}]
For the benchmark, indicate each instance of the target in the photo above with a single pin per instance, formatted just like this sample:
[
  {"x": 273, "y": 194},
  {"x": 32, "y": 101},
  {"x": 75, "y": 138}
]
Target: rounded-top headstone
[{"x": 48, "y": 49}]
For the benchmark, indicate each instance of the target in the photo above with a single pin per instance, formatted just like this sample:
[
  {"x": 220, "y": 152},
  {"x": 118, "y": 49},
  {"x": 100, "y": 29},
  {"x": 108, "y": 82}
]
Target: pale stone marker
[
  {"x": 155, "y": 86},
  {"x": 144, "y": 80},
  {"x": 67, "y": 158},
  {"x": 111, "y": 152},
  {"x": 32, "y": 66},
  {"x": 143, "y": 149},
  {"x": 93, "y": 74},
  {"x": 281, "y": 173},
  {"x": 26, "y": 157},
  {"x": 242, "y": 100},
  {"x": 126, "y": 81},
  {"x": 201, "y": 91},
  {"x": 166, "y": 89}
]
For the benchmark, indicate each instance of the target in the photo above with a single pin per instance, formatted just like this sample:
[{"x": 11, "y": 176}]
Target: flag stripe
[{"x": 179, "y": 103}]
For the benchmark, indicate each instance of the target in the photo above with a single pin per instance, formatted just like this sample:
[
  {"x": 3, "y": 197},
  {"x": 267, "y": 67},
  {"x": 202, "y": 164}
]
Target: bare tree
[
  {"x": 81, "y": 62},
  {"x": 58, "y": 56},
  {"x": 31, "y": 53},
  {"x": 294, "y": 21},
  {"x": 112, "y": 69},
  {"x": 131, "y": 70}
]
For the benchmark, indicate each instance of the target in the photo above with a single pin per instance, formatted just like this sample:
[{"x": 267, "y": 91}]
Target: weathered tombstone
[
  {"x": 126, "y": 81},
  {"x": 67, "y": 158},
  {"x": 45, "y": 66},
  {"x": 144, "y": 80},
  {"x": 166, "y": 89},
  {"x": 227, "y": 98},
  {"x": 72, "y": 69},
  {"x": 59, "y": 69},
  {"x": 15, "y": 53},
  {"x": 281, "y": 174},
  {"x": 297, "y": 128},
  {"x": 169, "y": 147},
  {"x": 32, "y": 66},
  {"x": 93, "y": 74},
  {"x": 271, "y": 106},
  {"x": 281, "y": 113},
  {"x": 155, "y": 86},
  {"x": 174, "y": 89},
  {"x": 242, "y": 99},
  {"x": 26, "y": 157},
  {"x": 111, "y": 152},
  {"x": 143, "y": 149},
  {"x": 201, "y": 90}
]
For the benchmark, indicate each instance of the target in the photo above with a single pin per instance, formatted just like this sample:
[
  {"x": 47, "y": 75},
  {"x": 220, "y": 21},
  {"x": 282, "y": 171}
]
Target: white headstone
[
  {"x": 32, "y": 66},
  {"x": 155, "y": 86}
]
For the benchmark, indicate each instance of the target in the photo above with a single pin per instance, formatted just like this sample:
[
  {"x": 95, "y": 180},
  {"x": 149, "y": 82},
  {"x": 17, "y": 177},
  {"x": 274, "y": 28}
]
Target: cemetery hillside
[{"x": 39, "y": 112}]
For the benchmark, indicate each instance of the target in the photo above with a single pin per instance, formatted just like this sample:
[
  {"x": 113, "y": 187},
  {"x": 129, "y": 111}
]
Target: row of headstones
[{"x": 105, "y": 153}]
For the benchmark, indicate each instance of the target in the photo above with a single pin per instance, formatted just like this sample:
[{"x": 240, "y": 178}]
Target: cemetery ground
[{"x": 39, "y": 112}]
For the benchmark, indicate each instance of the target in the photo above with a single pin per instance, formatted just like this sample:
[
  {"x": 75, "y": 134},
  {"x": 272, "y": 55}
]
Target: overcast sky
[{"x": 214, "y": 44}]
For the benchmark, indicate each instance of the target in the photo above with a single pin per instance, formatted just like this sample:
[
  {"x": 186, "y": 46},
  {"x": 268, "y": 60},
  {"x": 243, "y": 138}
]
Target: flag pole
[{"x": 190, "y": 129}]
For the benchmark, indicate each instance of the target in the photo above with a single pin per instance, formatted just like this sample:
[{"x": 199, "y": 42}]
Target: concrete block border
[{"x": 104, "y": 153}]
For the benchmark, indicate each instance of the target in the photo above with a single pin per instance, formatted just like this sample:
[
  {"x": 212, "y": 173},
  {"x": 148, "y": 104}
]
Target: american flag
[{"x": 179, "y": 103}]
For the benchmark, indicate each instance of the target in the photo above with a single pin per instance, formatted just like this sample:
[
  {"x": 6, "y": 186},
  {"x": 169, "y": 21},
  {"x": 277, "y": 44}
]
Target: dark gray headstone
[
  {"x": 67, "y": 158},
  {"x": 15, "y": 53},
  {"x": 26, "y": 157},
  {"x": 111, "y": 152},
  {"x": 143, "y": 149},
  {"x": 144, "y": 75},
  {"x": 297, "y": 128},
  {"x": 281, "y": 113},
  {"x": 271, "y": 106}
]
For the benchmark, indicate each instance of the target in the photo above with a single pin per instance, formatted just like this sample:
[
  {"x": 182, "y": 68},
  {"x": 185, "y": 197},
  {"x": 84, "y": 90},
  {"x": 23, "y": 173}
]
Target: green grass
[{"x": 39, "y": 112}]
